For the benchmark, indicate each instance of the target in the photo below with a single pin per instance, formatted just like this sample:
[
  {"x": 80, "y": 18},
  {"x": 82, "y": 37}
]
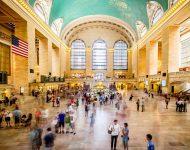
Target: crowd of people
[{"x": 64, "y": 122}]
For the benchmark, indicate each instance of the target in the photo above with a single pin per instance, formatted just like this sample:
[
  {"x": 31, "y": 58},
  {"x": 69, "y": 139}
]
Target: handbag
[{"x": 109, "y": 131}]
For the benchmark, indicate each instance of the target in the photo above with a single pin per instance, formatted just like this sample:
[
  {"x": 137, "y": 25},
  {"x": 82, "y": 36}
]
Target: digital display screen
[{"x": 163, "y": 82}]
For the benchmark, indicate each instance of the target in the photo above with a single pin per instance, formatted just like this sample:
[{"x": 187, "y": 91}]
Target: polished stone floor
[{"x": 170, "y": 129}]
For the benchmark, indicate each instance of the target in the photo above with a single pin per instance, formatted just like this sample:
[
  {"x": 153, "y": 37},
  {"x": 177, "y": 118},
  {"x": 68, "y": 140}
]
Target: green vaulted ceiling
[{"x": 127, "y": 10}]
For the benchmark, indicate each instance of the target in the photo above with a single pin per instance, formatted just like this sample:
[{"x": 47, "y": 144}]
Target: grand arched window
[
  {"x": 42, "y": 9},
  {"x": 154, "y": 11},
  {"x": 99, "y": 55},
  {"x": 78, "y": 55},
  {"x": 56, "y": 26},
  {"x": 141, "y": 28},
  {"x": 172, "y": 2},
  {"x": 40, "y": 12},
  {"x": 157, "y": 15},
  {"x": 120, "y": 56}
]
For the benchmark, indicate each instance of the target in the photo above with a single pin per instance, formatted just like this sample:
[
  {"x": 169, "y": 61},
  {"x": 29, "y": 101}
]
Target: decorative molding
[
  {"x": 178, "y": 6},
  {"x": 26, "y": 8}
]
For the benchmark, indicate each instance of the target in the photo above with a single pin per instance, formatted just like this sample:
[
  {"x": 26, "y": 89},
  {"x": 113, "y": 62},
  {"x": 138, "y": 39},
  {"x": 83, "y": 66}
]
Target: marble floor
[{"x": 170, "y": 129}]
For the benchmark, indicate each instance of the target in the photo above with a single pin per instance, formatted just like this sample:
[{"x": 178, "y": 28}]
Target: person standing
[
  {"x": 125, "y": 136},
  {"x": 61, "y": 121},
  {"x": 67, "y": 122},
  {"x": 150, "y": 145},
  {"x": 73, "y": 120},
  {"x": 185, "y": 106},
  {"x": 17, "y": 116},
  {"x": 92, "y": 119},
  {"x": 115, "y": 130},
  {"x": 167, "y": 102},
  {"x": 49, "y": 139},
  {"x": 142, "y": 104},
  {"x": 138, "y": 104},
  {"x": 86, "y": 109}
]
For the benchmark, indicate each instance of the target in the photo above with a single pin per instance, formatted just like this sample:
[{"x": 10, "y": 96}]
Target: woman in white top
[{"x": 115, "y": 130}]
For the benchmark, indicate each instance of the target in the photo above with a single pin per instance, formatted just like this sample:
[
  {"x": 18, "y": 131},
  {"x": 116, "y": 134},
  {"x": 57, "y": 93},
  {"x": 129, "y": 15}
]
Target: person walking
[
  {"x": 167, "y": 102},
  {"x": 86, "y": 109},
  {"x": 115, "y": 130},
  {"x": 17, "y": 116},
  {"x": 138, "y": 104},
  {"x": 61, "y": 121},
  {"x": 150, "y": 144},
  {"x": 185, "y": 106},
  {"x": 125, "y": 136},
  {"x": 49, "y": 139},
  {"x": 73, "y": 120},
  {"x": 142, "y": 104},
  {"x": 92, "y": 119}
]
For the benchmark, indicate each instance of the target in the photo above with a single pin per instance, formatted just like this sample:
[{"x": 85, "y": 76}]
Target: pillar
[
  {"x": 55, "y": 61},
  {"x": 50, "y": 57},
  {"x": 134, "y": 61},
  {"x": 110, "y": 63},
  {"x": 130, "y": 62},
  {"x": 142, "y": 62},
  {"x": 20, "y": 63},
  {"x": 89, "y": 61},
  {"x": 43, "y": 56},
  {"x": 171, "y": 49},
  {"x": 152, "y": 58},
  {"x": 68, "y": 63},
  {"x": 170, "y": 53},
  {"x": 31, "y": 51},
  {"x": 63, "y": 60}
]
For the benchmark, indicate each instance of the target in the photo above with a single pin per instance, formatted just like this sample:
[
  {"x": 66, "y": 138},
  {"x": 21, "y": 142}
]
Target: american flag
[{"x": 19, "y": 47}]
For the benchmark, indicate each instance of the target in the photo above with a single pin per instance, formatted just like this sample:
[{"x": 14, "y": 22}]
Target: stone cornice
[{"x": 28, "y": 10}]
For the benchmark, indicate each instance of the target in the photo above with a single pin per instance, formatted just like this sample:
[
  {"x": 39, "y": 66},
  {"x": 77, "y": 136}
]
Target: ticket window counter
[{"x": 121, "y": 86}]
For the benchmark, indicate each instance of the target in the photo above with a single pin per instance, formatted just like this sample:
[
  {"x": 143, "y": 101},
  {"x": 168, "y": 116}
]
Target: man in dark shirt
[
  {"x": 61, "y": 119},
  {"x": 49, "y": 139}
]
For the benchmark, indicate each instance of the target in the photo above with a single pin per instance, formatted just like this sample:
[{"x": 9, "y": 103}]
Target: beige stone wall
[
  {"x": 89, "y": 61},
  {"x": 170, "y": 49},
  {"x": 135, "y": 61},
  {"x": 43, "y": 55},
  {"x": 142, "y": 62},
  {"x": 55, "y": 62},
  {"x": 151, "y": 58}
]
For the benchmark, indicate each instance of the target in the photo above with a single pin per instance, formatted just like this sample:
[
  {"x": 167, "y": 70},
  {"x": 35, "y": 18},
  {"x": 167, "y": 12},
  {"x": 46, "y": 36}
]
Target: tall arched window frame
[
  {"x": 42, "y": 9},
  {"x": 141, "y": 28},
  {"x": 154, "y": 11},
  {"x": 56, "y": 26},
  {"x": 157, "y": 15},
  {"x": 172, "y": 2},
  {"x": 120, "y": 56},
  {"x": 78, "y": 55},
  {"x": 99, "y": 55},
  {"x": 40, "y": 12}
]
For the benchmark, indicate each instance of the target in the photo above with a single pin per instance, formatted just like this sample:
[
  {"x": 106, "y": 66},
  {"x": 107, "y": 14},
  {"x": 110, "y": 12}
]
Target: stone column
[
  {"x": 31, "y": 51},
  {"x": 68, "y": 62},
  {"x": 50, "y": 57},
  {"x": 63, "y": 60},
  {"x": 88, "y": 61},
  {"x": 20, "y": 69},
  {"x": 43, "y": 56},
  {"x": 142, "y": 62},
  {"x": 135, "y": 61},
  {"x": 110, "y": 63},
  {"x": 152, "y": 58},
  {"x": 55, "y": 61},
  {"x": 170, "y": 53},
  {"x": 130, "y": 62},
  {"x": 171, "y": 49}
]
